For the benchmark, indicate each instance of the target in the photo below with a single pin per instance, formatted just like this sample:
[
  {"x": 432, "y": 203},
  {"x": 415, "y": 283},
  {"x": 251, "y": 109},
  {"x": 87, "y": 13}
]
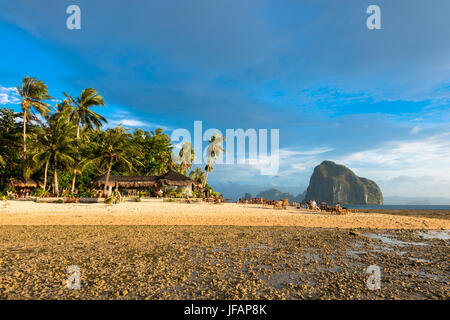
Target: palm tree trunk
[
  {"x": 45, "y": 173},
  {"x": 107, "y": 176},
  {"x": 24, "y": 169},
  {"x": 55, "y": 178},
  {"x": 73, "y": 181},
  {"x": 75, "y": 170},
  {"x": 78, "y": 130},
  {"x": 206, "y": 178}
]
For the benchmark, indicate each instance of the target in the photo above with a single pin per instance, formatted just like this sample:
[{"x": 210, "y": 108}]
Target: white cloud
[
  {"x": 9, "y": 95},
  {"x": 135, "y": 123},
  {"x": 425, "y": 163},
  {"x": 291, "y": 161},
  {"x": 416, "y": 129},
  {"x": 423, "y": 186},
  {"x": 415, "y": 167}
]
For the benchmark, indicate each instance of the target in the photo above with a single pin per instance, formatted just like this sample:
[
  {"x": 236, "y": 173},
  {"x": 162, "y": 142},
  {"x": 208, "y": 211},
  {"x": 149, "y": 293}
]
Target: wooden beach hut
[
  {"x": 133, "y": 184},
  {"x": 22, "y": 186},
  {"x": 24, "y": 183},
  {"x": 174, "y": 180}
]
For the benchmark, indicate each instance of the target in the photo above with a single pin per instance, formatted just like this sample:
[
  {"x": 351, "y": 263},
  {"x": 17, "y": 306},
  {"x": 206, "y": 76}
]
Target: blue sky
[{"x": 374, "y": 100}]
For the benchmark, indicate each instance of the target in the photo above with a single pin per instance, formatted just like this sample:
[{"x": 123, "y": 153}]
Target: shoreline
[{"x": 203, "y": 214}]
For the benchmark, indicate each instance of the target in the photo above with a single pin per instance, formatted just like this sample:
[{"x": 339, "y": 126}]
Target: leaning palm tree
[
  {"x": 213, "y": 151},
  {"x": 33, "y": 93},
  {"x": 84, "y": 117},
  {"x": 114, "y": 146}
]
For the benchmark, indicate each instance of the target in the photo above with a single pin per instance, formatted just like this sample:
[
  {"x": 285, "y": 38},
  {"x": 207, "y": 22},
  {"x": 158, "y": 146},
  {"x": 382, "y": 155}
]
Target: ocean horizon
[{"x": 396, "y": 207}]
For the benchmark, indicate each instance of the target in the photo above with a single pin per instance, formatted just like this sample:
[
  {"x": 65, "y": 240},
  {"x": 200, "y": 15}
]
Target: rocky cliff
[{"x": 333, "y": 183}]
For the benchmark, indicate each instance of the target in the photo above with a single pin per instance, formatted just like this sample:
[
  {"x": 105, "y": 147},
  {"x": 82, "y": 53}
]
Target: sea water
[{"x": 396, "y": 207}]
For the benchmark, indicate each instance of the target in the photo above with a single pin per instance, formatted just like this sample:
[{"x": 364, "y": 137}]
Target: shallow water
[
  {"x": 435, "y": 234},
  {"x": 396, "y": 207},
  {"x": 391, "y": 241}
]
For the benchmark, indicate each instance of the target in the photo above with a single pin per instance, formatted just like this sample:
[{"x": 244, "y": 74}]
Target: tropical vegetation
[{"x": 66, "y": 145}]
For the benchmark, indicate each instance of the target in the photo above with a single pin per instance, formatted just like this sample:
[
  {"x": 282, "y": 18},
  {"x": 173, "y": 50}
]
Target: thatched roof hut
[
  {"x": 24, "y": 183},
  {"x": 171, "y": 179},
  {"x": 126, "y": 181}
]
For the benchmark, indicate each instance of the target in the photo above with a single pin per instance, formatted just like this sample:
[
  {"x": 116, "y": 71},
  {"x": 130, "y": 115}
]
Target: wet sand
[
  {"x": 221, "y": 262},
  {"x": 160, "y": 250},
  {"x": 171, "y": 213}
]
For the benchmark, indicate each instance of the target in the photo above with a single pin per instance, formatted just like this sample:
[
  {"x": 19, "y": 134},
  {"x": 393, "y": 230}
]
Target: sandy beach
[{"x": 232, "y": 214}]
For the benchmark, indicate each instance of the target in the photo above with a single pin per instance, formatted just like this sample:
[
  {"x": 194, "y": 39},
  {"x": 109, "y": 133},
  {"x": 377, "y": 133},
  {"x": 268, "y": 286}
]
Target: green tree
[
  {"x": 114, "y": 146},
  {"x": 156, "y": 149},
  {"x": 197, "y": 175},
  {"x": 33, "y": 93},
  {"x": 84, "y": 117},
  {"x": 10, "y": 142},
  {"x": 55, "y": 144}
]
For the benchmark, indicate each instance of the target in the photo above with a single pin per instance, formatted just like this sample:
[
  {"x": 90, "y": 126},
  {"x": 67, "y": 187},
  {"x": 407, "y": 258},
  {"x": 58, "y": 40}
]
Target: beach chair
[{"x": 279, "y": 205}]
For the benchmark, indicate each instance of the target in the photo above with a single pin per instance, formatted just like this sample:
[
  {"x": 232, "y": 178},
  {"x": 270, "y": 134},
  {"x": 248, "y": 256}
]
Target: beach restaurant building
[{"x": 171, "y": 180}]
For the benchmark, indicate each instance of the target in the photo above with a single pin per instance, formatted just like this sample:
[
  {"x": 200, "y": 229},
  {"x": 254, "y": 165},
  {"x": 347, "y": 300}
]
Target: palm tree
[
  {"x": 84, "y": 117},
  {"x": 43, "y": 151},
  {"x": 212, "y": 152},
  {"x": 186, "y": 157},
  {"x": 55, "y": 144},
  {"x": 115, "y": 145},
  {"x": 32, "y": 92},
  {"x": 198, "y": 175}
]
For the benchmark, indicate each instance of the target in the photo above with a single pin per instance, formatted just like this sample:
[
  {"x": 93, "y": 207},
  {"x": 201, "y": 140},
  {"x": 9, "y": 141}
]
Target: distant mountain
[
  {"x": 399, "y": 200},
  {"x": 274, "y": 194},
  {"x": 334, "y": 183},
  {"x": 419, "y": 203},
  {"x": 237, "y": 190}
]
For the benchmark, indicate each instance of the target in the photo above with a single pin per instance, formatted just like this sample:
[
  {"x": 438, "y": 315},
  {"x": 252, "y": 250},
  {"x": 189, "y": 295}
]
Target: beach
[
  {"x": 231, "y": 214},
  {"x": 168, "y": 250},
  {"x": 221, "y": 262}
]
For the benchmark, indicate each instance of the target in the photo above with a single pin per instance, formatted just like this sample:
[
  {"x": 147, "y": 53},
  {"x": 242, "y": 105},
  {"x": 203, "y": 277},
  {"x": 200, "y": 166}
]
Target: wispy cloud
[
  {"x": 416, "y": 129},
  {"x": 424, "y": 160},
  {"x": 9, "y": 95},
  {"x": 135, "y": 123}
]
